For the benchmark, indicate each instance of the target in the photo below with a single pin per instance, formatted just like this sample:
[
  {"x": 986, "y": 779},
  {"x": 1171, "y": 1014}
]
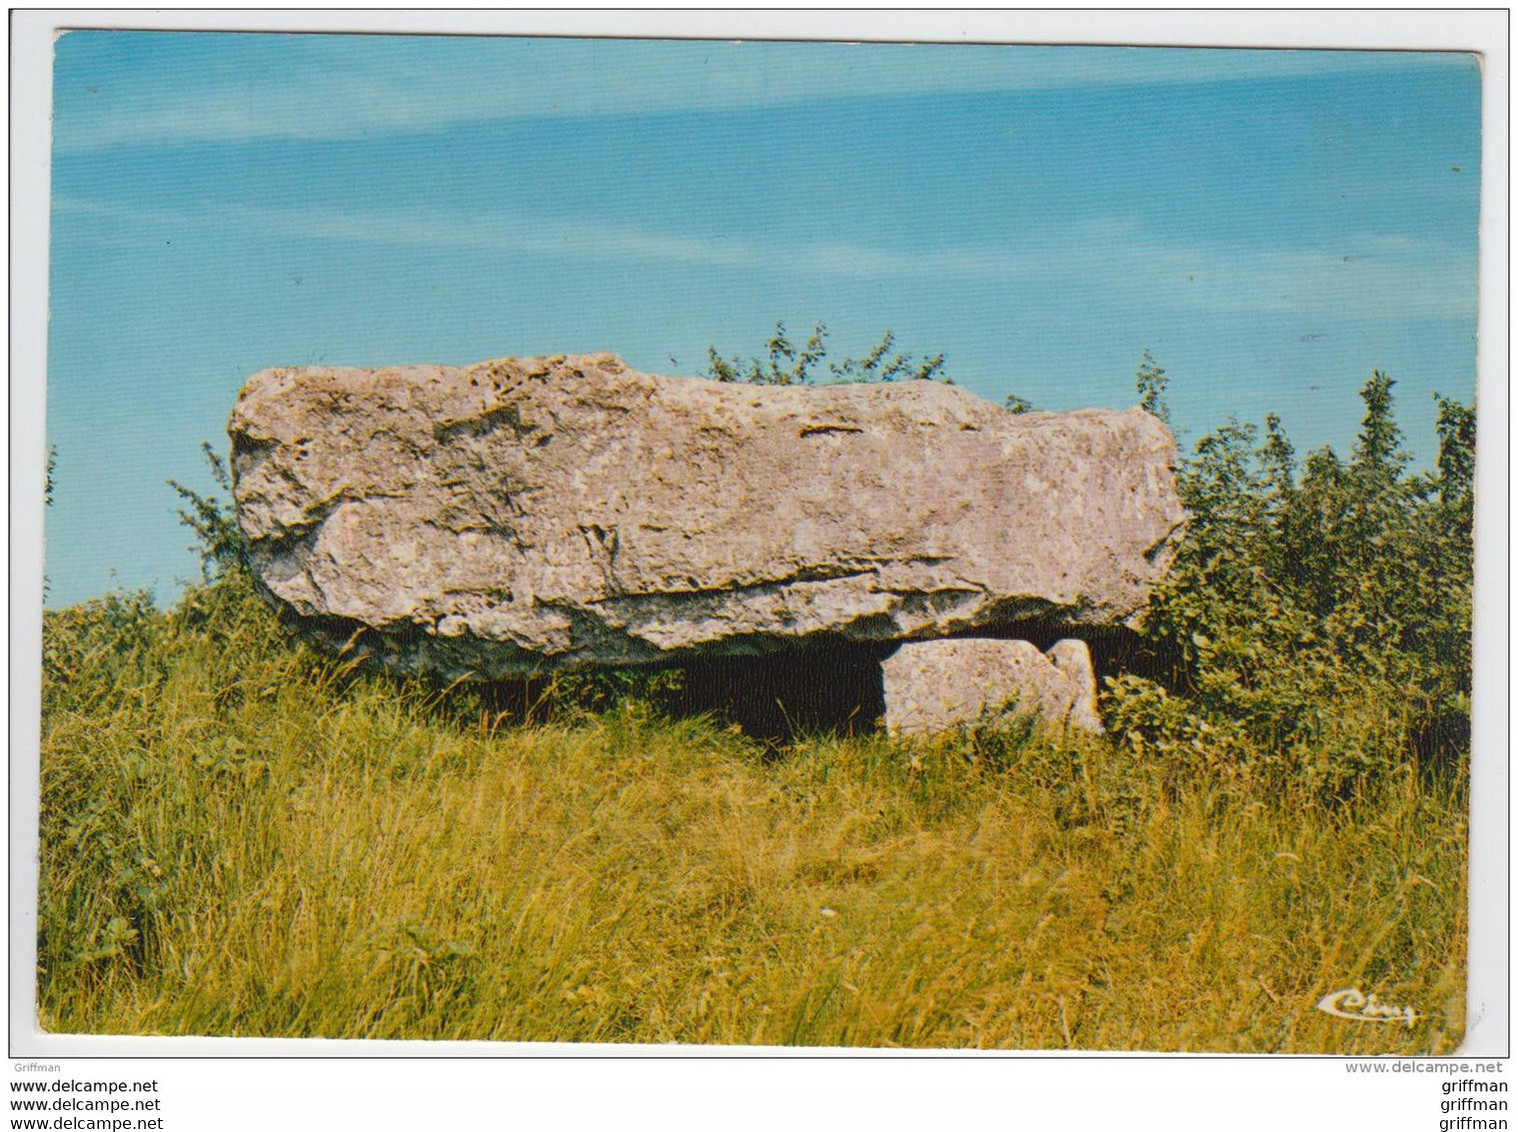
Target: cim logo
[{"x": 1352, "y": 1003}]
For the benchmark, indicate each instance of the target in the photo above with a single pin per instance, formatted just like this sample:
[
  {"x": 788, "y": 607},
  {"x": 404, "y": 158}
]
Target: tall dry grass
[{"x": 241, "y": 839}]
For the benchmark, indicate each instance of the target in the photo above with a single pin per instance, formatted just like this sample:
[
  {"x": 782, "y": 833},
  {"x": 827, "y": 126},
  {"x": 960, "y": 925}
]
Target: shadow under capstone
[
  {"x": 830, "y": 687},
  {"x": 827, "y": 688},
  {"x": 835, "y": 687}
]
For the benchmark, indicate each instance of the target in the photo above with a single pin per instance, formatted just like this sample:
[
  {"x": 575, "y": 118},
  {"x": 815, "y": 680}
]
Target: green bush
[
  {"x": 786, "y": 363},
  {"x": 1318, "y": 622}
]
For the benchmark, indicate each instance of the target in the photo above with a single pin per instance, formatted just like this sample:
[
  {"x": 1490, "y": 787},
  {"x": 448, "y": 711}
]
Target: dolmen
[{"x": 526, "y": 516}]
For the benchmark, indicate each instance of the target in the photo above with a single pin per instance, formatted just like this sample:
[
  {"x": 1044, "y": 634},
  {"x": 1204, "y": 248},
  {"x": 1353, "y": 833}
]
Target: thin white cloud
[
  {"x": 337, "y": 87},
  {"x": 1369, "y": 277}
]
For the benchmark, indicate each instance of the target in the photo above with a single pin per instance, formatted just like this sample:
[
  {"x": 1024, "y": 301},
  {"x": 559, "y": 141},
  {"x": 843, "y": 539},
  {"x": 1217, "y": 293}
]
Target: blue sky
[{"x": 1272, "y": 225}]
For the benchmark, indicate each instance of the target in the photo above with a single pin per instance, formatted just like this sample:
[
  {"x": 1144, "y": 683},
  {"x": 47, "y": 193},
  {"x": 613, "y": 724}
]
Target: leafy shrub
[
  {"x": 789, "y": 364},
  {"x": 219, "y": 540},
  {"x": 1317, "y": 623}
]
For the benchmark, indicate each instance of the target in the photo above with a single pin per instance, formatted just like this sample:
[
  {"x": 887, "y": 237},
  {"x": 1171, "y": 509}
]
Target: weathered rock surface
[
  {"x": 526, "y": 515},
  {"x": 937, "y": 685}
]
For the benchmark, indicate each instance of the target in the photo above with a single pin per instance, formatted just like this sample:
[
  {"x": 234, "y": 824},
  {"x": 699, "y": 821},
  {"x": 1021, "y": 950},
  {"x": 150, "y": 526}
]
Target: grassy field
[{"x": 239, "y": 838}]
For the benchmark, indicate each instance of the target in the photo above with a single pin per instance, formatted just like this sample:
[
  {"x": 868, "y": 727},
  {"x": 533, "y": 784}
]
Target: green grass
[{"x": 239, "y": 838}]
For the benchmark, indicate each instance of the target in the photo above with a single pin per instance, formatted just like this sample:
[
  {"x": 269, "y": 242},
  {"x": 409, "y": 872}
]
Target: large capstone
[{"x": 529, "y": 515}]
